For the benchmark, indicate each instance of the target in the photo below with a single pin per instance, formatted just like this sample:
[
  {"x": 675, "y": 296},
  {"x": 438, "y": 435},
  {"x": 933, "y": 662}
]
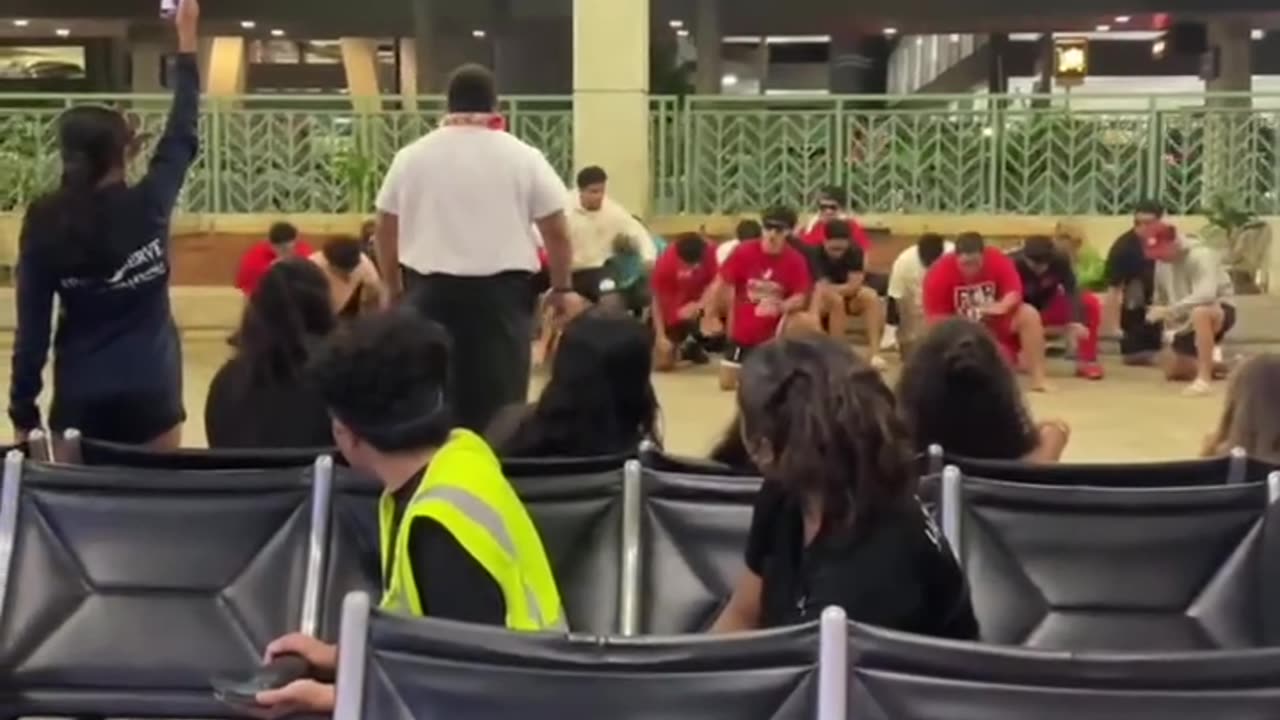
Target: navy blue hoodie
[{"x": 116, "y": 335}]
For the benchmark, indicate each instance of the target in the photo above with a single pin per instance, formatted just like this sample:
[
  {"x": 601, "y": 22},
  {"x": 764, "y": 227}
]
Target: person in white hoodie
[{"x": 1191, "y": 294}]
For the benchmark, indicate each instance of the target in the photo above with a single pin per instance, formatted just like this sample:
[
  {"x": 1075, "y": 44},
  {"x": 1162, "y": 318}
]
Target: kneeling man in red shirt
[{"x": 982, "y": 284}]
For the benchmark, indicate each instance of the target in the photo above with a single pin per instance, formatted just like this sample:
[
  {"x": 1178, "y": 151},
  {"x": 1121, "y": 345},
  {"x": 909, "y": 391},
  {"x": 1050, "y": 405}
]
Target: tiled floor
[{"x": 1130, "y": 416}]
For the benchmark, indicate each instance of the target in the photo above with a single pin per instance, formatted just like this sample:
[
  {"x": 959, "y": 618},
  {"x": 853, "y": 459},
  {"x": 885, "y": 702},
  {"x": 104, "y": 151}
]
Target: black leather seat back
[
  {"x": 693, "y": 540},
  {"x": 129, "y": 589},
  {"x": 579, "y": 518},
  {"x": 99, "y": 452},
  {"x": 886, "y": 695},
  {"x": 654, "y": 459},
  {"x": 878, "y": 649},
  {"x": 1117, "y": 569},
  {"x": 432, "y": 669},
  {"x": 1177, "y": 473}
]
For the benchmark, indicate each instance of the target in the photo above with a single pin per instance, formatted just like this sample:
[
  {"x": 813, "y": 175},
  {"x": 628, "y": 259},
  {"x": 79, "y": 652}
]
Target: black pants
[
  {"x": 490, "y": 319},
  {"x": 1137, "y": 335}
]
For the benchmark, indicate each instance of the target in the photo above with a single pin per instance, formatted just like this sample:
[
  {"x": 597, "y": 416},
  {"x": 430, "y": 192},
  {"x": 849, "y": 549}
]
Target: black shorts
[
  {"x": 878, "y": 282},
  {"x": 1137, "y": 335},
  {"x": 1184, "y": 343},
  {"x": 681, "y": 331},
  {"x": 735, "y": 355},
  {"x": 592, "y": 283},
  {"x": 132, "y": 418}
]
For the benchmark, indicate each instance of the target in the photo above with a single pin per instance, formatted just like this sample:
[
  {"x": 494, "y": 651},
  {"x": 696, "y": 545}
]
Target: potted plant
[{"x": 1243, "y": 239}]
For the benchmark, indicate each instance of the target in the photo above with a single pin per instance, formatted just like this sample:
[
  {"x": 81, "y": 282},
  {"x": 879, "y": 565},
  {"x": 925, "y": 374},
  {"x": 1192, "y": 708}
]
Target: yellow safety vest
[{"x": 465, "y": 491}]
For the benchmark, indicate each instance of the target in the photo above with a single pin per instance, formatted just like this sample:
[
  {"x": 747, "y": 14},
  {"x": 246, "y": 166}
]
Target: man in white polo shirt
[{"x": 456, "y": 217}]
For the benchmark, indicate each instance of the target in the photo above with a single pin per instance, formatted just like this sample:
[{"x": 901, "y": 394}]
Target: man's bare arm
[
  {"x": 386, "y": 238},
  {"x": 555, "y": 237}
]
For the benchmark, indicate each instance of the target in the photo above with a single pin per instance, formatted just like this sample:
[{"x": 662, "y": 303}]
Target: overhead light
[
  {"x": 1158, "y": 49},
  {"x": 478, "y": 33},
  {"x": 1257, "y": 34},
  {"x": 21, "y": 23},
  {"x": 955, "y": 37},
  {"x": 676, "y": 24},
  {"x": 62, "y": 32},
  {"x": 682, "y": 32},
  {"x": 1122, "y": 19},
  {"x": 729, "y": 79},
  {"x": 1103, "y": 28},
  {"x": 277, "y": 32},
  {"x": 797, "y": 39},
  {"x": 248, "y": 24},
  {"x": 890, "y": 31}
]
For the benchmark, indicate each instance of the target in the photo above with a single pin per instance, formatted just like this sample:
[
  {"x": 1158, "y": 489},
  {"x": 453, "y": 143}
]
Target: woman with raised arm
[{"x": 101, "y": 246}]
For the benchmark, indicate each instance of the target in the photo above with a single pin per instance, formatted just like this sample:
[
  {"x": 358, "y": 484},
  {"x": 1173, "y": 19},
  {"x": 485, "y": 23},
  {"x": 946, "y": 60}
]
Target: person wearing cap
[
  {"x": 456, "y": 541},
  {"x": 1049, "y": 285},
  {"x": 1190, "y": 299},
  {"x": 765, "y": 283}
]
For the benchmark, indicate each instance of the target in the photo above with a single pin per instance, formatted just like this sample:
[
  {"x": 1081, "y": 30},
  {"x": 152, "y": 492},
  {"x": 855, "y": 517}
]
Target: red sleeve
[
  {"x": 860, "y": 236},
  {"x": 665, "y": 275},
  {"x": 1006, "y": 275},
  {"x": 731, "y": 270},
  {"x": 247, "y": 274},
  {"x": 798, "y": 278},
  {"x": 939, "y": 290}
]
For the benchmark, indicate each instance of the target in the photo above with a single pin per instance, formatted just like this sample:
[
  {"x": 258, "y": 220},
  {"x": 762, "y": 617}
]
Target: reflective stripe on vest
[{"x": 483, "y": 515}]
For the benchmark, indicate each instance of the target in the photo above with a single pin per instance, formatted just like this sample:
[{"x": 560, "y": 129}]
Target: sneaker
[
  {"x": 1198, "y": 388},
  {"x": 878, "y": 363},
  {"x": 694, "y": 353},
  {"x": 1090, "y": 371}
]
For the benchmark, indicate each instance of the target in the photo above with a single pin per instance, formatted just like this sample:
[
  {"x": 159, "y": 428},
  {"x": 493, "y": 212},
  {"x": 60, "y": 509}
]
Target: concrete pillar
[
  {"x": 146, "y": 63},
  {"x": 762, "y": 64},
  {"x": 851, "y": 65},
  {"x": 408, "y": 85},
  {"x": 360, "y": 62},
  {"x": 1230, "y": 42},
  {"x": 611, "y": 95},
  {"x": 228, "y": 65},
  {"x": 997, "y": 69},
  {"x": 709, "y": 40}
]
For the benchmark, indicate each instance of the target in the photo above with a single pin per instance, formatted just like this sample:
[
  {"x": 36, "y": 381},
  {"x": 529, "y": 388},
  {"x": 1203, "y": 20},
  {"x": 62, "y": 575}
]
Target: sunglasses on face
[
  {"x": 770, "y": 227},
  {"x": 828, "y": 206}
]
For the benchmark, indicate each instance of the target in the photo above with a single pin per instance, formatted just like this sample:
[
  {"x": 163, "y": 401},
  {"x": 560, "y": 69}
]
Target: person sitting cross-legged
[
  {"x": 1049, "y": 285},
  {"x": 838, "y": 291}
]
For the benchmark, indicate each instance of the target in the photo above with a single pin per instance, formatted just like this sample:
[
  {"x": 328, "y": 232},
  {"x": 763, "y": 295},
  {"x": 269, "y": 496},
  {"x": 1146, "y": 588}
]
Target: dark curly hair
[
  {"x": 286, "y": 317},
  {"x": 599, "y": 400},
  {"x": 821, "y": 423},
  {"x": 386, "y": 377},
  {"x": 958, "y": 391}
]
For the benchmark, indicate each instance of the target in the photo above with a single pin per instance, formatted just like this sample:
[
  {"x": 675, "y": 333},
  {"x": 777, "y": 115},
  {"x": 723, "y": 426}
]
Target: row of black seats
[{"x": 395, "y": 668}]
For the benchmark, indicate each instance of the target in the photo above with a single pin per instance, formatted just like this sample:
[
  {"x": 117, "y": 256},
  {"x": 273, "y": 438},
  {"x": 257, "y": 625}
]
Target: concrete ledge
[{"x": 201, "y": 311}]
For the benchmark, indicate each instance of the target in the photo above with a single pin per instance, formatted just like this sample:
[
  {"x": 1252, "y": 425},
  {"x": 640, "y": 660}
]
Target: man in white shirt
[
  {"x": 906, "y": 279},
  {"x": 456, "y": 217},
  {"x": 601, "y": 231}
]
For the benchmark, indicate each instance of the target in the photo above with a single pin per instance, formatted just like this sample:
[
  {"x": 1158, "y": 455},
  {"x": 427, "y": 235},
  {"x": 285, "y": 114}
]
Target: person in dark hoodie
[{"x": 101, "y": 247}]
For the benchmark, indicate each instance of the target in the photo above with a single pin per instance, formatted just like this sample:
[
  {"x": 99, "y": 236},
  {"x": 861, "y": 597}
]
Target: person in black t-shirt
[
  {"x": 1130, "y": 277},
  {"x": 839, "y": 291},
  {"x": 1049, "y": 285},
  {"x": 837, "y": 521}
]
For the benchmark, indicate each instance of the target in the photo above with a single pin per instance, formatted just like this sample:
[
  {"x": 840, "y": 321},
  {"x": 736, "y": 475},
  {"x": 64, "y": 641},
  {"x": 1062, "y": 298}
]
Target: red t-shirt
[
  {"x": 676, "y": 284},
  {"x": 947, "y": 292},
  {"x": 257, "y": 261},
  {"x": 818, "y": 234},
  {"x": 759, "y": 280}
]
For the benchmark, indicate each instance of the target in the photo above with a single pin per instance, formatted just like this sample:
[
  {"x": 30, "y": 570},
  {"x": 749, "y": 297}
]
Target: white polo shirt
[
  {"x": 592, "y": 232},
  {"x": 466, "y": 198}
]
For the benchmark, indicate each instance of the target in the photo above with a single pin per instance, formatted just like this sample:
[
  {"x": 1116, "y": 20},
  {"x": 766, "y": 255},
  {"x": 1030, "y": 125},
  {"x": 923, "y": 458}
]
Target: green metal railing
[{"x": 921, "y": 154}]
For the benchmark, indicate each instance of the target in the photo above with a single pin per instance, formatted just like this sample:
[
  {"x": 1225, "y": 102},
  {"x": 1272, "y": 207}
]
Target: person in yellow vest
[{"x": 457, "y": 542}]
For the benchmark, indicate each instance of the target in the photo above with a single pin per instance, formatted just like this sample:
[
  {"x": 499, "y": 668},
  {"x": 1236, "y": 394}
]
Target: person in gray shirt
[{"x": 1191, "y": 294}]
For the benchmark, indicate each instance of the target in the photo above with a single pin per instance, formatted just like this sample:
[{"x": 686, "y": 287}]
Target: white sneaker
[
  {"x": 878, "y": 363},
  {"x": 890, "y": 339},
  {"x": 1217, "y": 354},
  {"x": 1198, "y": 388}
]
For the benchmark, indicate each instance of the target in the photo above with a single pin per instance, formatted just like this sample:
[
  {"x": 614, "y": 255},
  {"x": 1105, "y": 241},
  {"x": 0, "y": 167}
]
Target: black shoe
[{"x": 693, "y": 352}]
